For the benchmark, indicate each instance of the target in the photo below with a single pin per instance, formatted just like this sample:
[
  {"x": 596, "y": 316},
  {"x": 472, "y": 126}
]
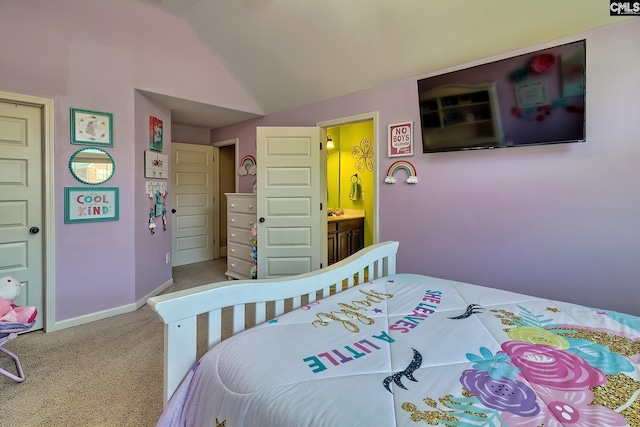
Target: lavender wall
[
  {"x": 151, "y": 268},
  {"x": 93, "y": 54},
  {"x": 559, "y": 221},
  {"x": 190, "y": 134}
]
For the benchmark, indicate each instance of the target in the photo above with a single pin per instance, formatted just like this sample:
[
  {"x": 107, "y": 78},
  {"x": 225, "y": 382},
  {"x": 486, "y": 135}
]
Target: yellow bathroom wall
[{"x": 360, "y": 137}]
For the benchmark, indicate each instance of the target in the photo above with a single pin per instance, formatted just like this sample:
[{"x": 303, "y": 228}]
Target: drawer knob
[
  {"x": 233, "y": 250},
  {"x": 250, "y": 222},
  {"x": 250, "y": 206},
  {"x": 233, "y": 235},
  {"x": 233, "y": 265},
  {"x": 232, "y": 205},
  {"x": 233, "y": 220}
]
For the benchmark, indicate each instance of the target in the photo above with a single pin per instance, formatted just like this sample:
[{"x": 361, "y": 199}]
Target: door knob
[
  {"x": 173, "y": 211},
  {"x": 34, "y": 230},
  {"x": 261, "y": 219}
]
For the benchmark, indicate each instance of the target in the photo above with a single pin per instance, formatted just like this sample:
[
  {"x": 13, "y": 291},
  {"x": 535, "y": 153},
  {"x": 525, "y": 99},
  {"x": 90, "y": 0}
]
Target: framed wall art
[
  {"x": 91, "y": 128},
  {"x": 90, "y": 204},
  {"x": 400, "y": 139},
  {"x": 156, "y": 165},
  {"x": 155, "y": 134}
]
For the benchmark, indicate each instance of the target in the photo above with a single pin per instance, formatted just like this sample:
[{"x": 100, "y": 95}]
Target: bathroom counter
[{"x": 348, "y": 214}]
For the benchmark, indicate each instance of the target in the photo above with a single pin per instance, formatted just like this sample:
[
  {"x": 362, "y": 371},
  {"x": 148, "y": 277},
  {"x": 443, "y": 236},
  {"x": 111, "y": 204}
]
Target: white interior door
[
  {"x": 193, "y": 188},
  {"x": 21, "y": 202},
  {"x": 290, "y": 208}
]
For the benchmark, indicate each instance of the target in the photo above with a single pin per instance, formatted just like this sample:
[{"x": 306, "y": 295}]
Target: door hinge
[
  {"x": 320, "y": 205},
  {"x": 320, "y": 265},
  {"x": 321, "y": 146}
]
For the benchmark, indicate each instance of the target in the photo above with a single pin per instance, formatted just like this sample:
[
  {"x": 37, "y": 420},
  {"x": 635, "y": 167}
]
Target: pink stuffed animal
[{"x": 10, "y": 289}]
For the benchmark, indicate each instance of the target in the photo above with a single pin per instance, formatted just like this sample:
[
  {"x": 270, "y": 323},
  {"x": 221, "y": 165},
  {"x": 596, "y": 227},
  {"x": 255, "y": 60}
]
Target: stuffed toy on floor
[{"x": 10, "y": 289}]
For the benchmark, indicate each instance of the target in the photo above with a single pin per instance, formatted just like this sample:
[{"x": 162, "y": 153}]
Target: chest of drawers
[{"x": 241, "y": 217}]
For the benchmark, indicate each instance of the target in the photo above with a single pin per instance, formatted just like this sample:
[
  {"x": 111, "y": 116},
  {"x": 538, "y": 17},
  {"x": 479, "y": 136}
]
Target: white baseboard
[
  {"x": 100, "y": 315},
  {"x": 142, "y": 301}
]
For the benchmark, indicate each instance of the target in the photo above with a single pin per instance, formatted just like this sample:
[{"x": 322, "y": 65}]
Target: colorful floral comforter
[{"x": 411, "y": 350}]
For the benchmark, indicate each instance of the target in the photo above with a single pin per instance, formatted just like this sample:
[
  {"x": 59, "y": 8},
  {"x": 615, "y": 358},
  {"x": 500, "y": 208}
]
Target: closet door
[
  {"x": 192, "y": 208},
  {"x": 21, "y": 237}
]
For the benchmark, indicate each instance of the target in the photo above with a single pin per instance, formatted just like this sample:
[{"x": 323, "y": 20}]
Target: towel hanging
[{"x": 354, "y": 193}]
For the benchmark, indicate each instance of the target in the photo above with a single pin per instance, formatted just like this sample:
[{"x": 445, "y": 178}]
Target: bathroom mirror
[{"x": 92, "y": 166}]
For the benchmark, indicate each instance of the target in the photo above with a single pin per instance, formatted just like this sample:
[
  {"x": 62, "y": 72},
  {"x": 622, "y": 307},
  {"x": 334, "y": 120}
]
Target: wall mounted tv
[{"x": 531, "y": 99}]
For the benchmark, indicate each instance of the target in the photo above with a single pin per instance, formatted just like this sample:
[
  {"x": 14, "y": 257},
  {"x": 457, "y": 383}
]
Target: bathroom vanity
[{"x": 345, "y": 235}]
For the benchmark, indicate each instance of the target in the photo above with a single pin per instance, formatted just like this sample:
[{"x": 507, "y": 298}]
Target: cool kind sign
[{"x": 86, "y": 204}]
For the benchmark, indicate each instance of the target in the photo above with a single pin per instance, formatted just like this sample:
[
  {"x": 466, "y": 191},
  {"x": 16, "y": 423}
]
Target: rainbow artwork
[
  {"x": 402, "y": 164},
  {"x": 247, "y": 166}
]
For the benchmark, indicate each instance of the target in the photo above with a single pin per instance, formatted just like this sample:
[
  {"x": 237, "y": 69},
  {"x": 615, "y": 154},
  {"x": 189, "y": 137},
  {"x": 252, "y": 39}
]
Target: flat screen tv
[{"x": 531, "y": 99}]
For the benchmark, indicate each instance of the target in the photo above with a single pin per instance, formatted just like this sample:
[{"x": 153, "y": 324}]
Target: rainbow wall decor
[
  {"x": 247, "y": 166},
  {"x": 402, "y": 164}
]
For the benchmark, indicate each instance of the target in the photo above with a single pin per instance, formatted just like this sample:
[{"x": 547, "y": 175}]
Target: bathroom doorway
[{"x": 351, "y": 171}]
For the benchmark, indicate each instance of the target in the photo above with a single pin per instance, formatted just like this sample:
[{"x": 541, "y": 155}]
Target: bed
[{"x": 357, "y": 344}]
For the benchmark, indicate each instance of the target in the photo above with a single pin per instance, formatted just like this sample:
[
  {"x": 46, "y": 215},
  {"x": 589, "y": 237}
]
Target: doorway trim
[
  {"x": 48, "y": 199},
  {"x": 217, "y": 209},
  {"x": 374, "y": 116}
]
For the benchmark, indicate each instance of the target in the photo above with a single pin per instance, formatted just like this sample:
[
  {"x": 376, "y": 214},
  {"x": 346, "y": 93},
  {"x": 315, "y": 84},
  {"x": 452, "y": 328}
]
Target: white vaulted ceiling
[{"x": 289, "y": 53}]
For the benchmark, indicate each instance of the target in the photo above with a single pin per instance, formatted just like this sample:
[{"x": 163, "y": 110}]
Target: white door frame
[
  {"x": 48, "y": 200},
  {"x": 216, "y": 189},
  {"x": 374, "y": 115}
]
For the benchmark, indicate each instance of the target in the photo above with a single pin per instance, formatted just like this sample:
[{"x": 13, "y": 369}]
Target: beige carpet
[{"x": 106, "y": 373}]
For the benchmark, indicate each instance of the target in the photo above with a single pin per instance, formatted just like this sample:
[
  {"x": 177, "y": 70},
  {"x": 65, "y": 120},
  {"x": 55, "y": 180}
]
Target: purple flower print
[
  {"x": 566, "y": 408},
  {"x": 504, "y": 394},
  {"x": 551, "y": 367}
]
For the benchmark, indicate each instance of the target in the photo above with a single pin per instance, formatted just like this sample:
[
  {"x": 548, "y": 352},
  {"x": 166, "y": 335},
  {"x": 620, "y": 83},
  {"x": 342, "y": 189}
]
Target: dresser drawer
[
  {"x": 239, "y": 251},
  {"x": 241, "y": 220},
  {"x": 239, "y": 235},
  {"x": 240, "y": 266},
  {"x": 243, "y": 205}
]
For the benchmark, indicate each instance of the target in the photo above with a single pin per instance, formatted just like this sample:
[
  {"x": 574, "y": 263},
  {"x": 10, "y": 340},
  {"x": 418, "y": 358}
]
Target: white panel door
[
  {"x": 21, "y": 202},
  {"x": 290, "y": 208},
  {"x": 192, "y": 188}
]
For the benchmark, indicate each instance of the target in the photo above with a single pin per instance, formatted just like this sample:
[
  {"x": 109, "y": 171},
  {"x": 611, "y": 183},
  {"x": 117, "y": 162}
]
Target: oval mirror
[{"x": 92, "y": 166}]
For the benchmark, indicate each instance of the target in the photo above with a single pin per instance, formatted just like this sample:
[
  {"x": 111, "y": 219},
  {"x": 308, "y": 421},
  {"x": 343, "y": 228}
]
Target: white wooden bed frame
[{"x": 179, "y": 310}]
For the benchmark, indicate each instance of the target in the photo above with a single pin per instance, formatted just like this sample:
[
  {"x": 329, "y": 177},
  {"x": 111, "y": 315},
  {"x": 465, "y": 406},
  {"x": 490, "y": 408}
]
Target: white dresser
[{"x": 241, "y": 217}]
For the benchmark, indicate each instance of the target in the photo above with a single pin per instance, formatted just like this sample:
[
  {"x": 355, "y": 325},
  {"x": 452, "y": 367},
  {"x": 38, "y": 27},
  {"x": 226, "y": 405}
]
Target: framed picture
[
  {"x": 155, "y": 134},
  {"x": 90, "y": 204},
  {"x": 91, "y": 128},
  {"x": 156, "y": 165},
  {"x": 400, "y": 139}
]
